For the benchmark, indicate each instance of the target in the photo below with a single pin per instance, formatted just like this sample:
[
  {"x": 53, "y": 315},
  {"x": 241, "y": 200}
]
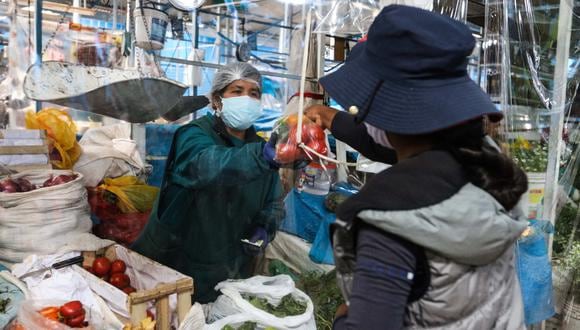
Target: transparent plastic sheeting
[
  {"x": 84, "y": 68},
  {"x": 354, "y": 17},
  {"x": 519, "y": 60}
]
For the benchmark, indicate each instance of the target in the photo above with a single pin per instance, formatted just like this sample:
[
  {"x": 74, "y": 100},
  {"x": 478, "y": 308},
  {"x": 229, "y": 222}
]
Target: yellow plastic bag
[
  {"x": 61, "y": 131},
  {"x": 133, "y": 195}
]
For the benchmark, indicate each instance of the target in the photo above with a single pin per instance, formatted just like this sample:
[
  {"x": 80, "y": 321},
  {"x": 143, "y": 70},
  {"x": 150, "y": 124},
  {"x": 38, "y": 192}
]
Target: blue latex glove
[
  {"x": 269, "y": 153},
  {"x": 259, "y": 234}
]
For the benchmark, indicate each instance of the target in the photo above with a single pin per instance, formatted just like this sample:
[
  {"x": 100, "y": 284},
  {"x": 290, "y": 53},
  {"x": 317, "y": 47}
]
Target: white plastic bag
[
  {"x": 108, "y": 152},
  {"x": 194, "y": 320},
  {"x": 31, "y": 319},
  {"x": 46, "y": 220},
  {"x": 232, "y": 309},
  {"x": 63, "y": 284}
]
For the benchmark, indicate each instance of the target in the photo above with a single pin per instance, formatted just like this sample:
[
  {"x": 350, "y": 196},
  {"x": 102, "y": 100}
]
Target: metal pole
[
  {"x": 195, "y": 39},
  {"x": 38, "y": 39},
  {"x": 558, "y": 112},
  {"x": 131, "y": 33},
  {"x": 76, "y": 16},
  {"x": 115, "y": 5},
  {"x": 282, "y": 39},
  {"x": 284, "y": 43},
  {"x": 219, "y": 66}
]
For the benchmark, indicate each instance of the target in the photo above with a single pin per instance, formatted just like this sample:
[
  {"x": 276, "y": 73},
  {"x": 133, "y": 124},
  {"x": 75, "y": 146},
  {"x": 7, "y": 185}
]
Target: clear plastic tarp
[{"x": 519, "y": 66}]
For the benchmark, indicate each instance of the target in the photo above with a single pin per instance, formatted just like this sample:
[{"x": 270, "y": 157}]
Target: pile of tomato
[
  {"x": 287, "y": 149},
  {"x": 72, "y": 314},
  {"x": 112, "y": 272}
]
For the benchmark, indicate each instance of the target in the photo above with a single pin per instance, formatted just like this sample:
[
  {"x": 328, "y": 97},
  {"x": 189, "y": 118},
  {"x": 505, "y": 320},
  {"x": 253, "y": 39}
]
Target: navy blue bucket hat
[{"x": 410, "y": 75}]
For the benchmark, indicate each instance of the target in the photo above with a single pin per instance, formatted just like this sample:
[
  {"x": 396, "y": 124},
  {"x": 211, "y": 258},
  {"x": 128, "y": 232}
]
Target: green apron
[{"x": 216, "y": 190}]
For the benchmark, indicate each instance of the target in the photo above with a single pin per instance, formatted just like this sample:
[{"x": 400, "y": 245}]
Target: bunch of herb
[
  {"x": 288, "y": 306},
  {"x": 245, "y": 326},
  {"x": 325, "y": 295}
]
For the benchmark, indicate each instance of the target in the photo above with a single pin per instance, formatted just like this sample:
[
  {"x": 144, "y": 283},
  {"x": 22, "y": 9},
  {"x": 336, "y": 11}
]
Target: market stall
[{"x": 96, "y": 95}]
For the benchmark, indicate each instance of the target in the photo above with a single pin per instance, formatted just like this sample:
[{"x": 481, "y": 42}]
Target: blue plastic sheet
[
  {"x": 535, "y": 273},
  {"x": 304, "y": 214},
  {"x": 158, "y": 143},
  {"x": 307, "y": 218},
  {"x": 321, "y": 251}
]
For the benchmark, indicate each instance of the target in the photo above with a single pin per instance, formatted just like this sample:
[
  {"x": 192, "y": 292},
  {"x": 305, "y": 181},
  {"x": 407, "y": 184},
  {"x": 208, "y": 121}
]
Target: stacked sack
[{"x": 50, "y": 216}]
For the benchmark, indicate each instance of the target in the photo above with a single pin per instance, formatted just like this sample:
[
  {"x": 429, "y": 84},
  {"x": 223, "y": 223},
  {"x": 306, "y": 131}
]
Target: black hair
[{"x": 485, "y": 166}]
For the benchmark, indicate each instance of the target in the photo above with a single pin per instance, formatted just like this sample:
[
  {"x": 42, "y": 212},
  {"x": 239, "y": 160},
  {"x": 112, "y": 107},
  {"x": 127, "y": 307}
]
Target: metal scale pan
[{"x": 123, "y": 94}]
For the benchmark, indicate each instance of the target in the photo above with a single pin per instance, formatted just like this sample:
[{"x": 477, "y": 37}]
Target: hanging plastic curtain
[
  {"x": 347, "y": 17},
  {"x": 519, "y": 72},
  {"x": 519, "y": 69}
]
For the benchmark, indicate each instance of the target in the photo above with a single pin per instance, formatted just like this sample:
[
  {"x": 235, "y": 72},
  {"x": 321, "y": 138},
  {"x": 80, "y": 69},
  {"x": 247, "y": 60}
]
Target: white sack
[
  {"x": 108, "y": 152},
  {"x": 46, "y": 220}
]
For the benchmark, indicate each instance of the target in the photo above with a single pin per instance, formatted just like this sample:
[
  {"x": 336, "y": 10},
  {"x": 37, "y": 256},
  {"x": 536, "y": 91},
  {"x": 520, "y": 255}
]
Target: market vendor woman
[{"x": 218, "y": 190}]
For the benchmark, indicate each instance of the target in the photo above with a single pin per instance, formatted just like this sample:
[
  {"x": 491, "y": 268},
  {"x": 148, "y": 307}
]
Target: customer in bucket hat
[{"x": 429, "y": 242}]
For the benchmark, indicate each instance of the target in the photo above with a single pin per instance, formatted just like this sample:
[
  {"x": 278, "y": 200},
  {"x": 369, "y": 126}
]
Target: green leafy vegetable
[
  {"x": 245, "y": 326},
  {"x": 3, "y": 304},
  {"x": 325, "y": 295},
  {"x": 288, "y": 306}
]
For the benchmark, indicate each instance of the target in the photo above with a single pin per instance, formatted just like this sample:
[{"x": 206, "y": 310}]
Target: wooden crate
[
  {"x": 22, "y": 134},
  {"x": 137, "y": 302},
  {"x": 15, "y": 142}
]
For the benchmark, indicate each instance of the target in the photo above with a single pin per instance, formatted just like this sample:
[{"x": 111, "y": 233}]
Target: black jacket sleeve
[
  {"x": 345, "y": 129},
  {"x": 382, "y": 283}
]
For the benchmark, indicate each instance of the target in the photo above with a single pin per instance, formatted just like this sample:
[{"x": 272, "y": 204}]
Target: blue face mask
[{"x": 240, "y": 112}]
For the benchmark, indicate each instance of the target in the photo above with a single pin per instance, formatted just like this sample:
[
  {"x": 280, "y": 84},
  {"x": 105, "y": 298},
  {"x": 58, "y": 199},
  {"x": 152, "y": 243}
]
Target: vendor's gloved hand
[
  {"x": 259, "y": 234},
  {"x": 269, "y": 153}
]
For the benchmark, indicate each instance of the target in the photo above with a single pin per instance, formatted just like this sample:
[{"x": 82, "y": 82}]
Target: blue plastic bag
[
  {"x": 321, "y": 251},
  {"x": 304, "y": 214},
  {"x": 308, "y": 218},
  {"x": 535, "y": 273}
]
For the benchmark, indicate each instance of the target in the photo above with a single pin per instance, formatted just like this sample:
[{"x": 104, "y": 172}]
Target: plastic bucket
[
  {"x": 150, "y": 27},
  {"x": 535, "y": 195}
]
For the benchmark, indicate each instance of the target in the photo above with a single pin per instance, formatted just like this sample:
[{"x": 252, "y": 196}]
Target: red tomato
[
  {"x": 292, "y": 135},
  {"x": 318, "y": 146},
  {"x": 88, "y": 269},
  {"x": 129, "y": 290},
  {"x": 118, "y": 266},
  {"x": 77, "y": 321},
  {"x": 120, "y": 280},
  {"x": 286, "y": 153},
  {"x": 101, "y": 266},
  {"x": 312, "y": 132},
  {"x": 71, "y": 309}
]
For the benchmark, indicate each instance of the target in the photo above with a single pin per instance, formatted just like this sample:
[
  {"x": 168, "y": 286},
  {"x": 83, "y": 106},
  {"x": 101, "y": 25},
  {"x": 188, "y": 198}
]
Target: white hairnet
[{"x": 235, "y": 71}]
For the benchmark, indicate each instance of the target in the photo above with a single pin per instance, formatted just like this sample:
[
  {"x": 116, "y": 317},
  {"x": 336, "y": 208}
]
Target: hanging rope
[{"x": 309, "y": 151}]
